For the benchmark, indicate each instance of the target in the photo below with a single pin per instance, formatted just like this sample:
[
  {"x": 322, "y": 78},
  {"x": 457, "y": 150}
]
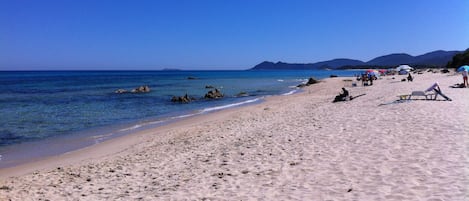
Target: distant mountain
[
  {"x": 267, "y": 65},
  {"x": 436, "y": 58},
  {"x": 337, "y": 63},
  {"x": 391, "y": 60},
  {"x": 331, "y": 64}
]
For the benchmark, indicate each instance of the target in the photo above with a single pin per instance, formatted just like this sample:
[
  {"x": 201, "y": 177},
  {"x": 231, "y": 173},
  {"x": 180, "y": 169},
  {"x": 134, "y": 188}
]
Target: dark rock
[
  {"x": 214, "y": 94},
  {"x": 333, "y": 76},
  {"x": 301, "y": 85},
  {"x": 141, "y": 89},
  {"x": 310, "y": 82},
  {"x": 444, "y": 71},
  {"x": 182, "y": 99},
  {"x": 5, "y": 188},
  {"x": 209, "y": 87},
  {"x": 191, "y": 78}
]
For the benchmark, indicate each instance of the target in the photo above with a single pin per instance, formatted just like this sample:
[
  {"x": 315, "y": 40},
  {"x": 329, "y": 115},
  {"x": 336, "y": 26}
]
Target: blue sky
[{"x": 220, "y": 34}]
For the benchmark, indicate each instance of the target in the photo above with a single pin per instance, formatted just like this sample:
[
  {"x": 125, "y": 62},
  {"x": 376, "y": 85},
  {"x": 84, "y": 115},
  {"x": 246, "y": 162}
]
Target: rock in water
[
  {"x": 310, "y": 82},
  {"x": 182, "y": 99},
  {"x": 214, "y": 94},
  {"x": 241, "y": 94},
  {"x": 121, "y": 91},
  {"x": 141, "y": 89}
]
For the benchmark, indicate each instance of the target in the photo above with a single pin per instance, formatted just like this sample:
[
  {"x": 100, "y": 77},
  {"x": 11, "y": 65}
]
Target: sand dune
[{"x": 296, "y": 147}]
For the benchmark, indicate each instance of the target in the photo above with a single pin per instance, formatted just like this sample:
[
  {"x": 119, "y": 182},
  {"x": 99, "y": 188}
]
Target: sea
[{"x": 46, "y": 113}]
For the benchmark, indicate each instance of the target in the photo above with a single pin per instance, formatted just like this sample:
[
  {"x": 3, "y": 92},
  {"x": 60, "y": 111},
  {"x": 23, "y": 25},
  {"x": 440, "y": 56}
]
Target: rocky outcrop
[
  {"x": 209, "y": 87},
  {"x": 182, "y": 99},
  {"x": 214, "y": 94},
  {"x": 310, "y": 82},
  {"x": 141, "y": 89},
  {"x": 191, "y": 78}
]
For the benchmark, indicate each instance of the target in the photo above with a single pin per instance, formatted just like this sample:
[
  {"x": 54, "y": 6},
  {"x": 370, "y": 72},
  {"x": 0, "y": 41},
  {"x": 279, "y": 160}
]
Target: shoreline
[
  {"x": 60, "y": 145},
  {"x": 296, "y": 147},
  {"x": 109, "y": 146},
  {"x": 123, "y": 130}
]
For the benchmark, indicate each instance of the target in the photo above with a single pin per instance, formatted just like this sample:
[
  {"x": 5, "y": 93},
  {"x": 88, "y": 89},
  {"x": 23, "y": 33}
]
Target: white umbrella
[{"x": 404, "y": 67}]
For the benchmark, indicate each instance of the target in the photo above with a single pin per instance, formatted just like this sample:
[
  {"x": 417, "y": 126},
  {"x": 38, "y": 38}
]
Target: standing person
[
  {"x": 410, "y": 78},
  {"x": 464, "y": 77}
]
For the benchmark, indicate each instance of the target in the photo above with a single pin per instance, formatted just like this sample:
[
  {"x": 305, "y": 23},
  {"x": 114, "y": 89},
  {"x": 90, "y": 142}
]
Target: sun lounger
[
  {"x": 429, "y": 94},
  {"x": 425, "y": 94}
]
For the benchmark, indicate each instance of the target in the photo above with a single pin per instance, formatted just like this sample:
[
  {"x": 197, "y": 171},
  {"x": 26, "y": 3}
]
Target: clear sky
[{"x": 221, "y": 34}]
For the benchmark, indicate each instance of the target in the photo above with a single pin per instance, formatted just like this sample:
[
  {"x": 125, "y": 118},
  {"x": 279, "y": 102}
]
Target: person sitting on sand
[
  {"x": 344, "y": 96},
  {"x": 344, "y": 92},
  {"x": 410, "y": 78}
]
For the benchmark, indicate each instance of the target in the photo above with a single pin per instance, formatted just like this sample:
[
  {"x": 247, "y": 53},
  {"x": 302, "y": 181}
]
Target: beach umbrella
[
  {"x": 404, "y": 67},
  {"x": 382, "y": 72},
  {"x": 463, "y": 68},
  {"x": 371, "y": 71}
]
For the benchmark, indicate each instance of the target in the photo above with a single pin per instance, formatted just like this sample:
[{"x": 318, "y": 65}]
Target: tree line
[{"x": 459, "y": 60}]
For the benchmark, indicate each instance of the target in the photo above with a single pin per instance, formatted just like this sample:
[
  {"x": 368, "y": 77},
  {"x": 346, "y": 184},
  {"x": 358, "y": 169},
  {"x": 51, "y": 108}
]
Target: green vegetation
[{"x": 459, "y": 60}]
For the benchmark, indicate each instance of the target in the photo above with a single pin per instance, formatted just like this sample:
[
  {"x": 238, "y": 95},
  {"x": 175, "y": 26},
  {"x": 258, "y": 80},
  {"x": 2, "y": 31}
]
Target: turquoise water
[{"x": 44, "y": 107}]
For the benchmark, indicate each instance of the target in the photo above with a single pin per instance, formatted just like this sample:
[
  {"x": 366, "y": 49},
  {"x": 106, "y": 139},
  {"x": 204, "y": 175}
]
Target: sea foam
[{"x": 210, "y": 109}]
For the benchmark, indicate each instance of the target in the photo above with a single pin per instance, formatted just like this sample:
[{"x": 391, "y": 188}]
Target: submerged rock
[{"x": 241, "y": 94}]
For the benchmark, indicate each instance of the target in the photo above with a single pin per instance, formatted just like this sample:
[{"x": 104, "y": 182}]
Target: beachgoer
[
  {"x": 410, "y": 78},
  {"x": 370, "y": 77},
  {"x": 464, "y": 78},
  {"x": 344, "y": 96},
  {"x": 364, "y": 80},
  {"x": 344, "y": 92},
  {"x": 435, "y": 87}
]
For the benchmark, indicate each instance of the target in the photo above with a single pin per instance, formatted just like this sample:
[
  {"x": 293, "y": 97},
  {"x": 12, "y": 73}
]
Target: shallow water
[{"x": 49, "y": 106}]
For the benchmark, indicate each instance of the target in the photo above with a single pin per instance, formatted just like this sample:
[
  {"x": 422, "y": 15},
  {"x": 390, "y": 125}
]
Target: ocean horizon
[{"x": 47, "y": 113}]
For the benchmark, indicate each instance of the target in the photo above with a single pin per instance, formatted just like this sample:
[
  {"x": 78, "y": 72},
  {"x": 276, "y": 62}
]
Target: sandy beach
[{"x": 295, "y": 147}]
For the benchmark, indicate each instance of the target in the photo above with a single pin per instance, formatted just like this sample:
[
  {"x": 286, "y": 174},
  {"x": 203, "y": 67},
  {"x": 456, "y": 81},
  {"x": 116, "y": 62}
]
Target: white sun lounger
[
  {"x": 425, "y": 94},
  {"x": 430, "y": 94}
]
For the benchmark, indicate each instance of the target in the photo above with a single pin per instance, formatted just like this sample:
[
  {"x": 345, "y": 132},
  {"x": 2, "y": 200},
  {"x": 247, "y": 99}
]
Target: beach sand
[{"x": 296, "y": 147}]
